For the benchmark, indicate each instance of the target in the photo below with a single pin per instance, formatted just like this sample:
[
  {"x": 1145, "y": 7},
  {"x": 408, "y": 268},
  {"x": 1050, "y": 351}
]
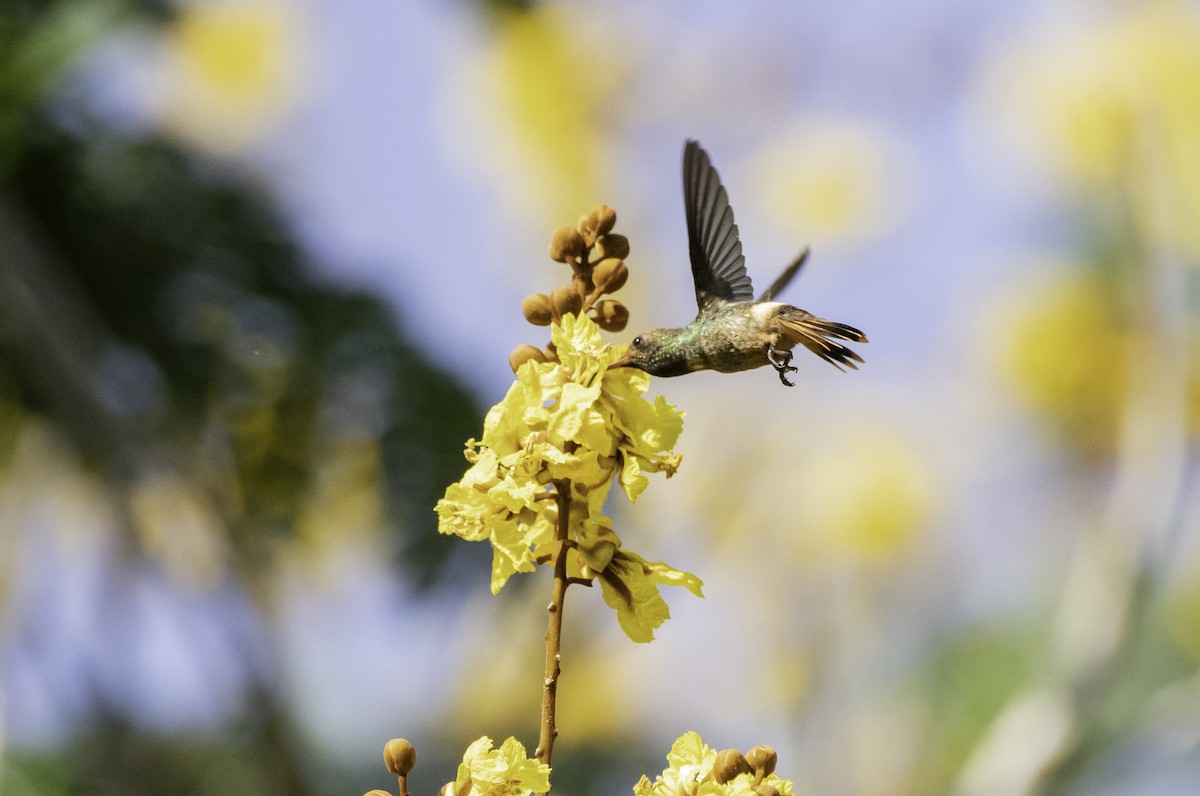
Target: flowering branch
[
  {"x": 549, "y": 727},
  {"x": 568, "y": 429}
]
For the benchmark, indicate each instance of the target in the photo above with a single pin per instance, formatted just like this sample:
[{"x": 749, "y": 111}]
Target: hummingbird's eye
[{"x": 637, "y": 342}]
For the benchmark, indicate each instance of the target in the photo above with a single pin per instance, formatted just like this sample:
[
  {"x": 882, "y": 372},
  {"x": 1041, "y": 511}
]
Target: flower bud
[
  {"x": 400, "y": 756},
  {"x": 565, "y": 300},
  {"x": 763, "y": 789},
  {"x": 610, "y": 274},
  {"x": 599, "y": 220},
  {"x": 762, "y": 759},
  {"x": 537, "y": 309},
  {"x": 612, "y": 246},
  {"x": 729, "y": 764},
  {"x": 522, "y": 354},
  {"x": 377, "y": 792},
  {"x": 550, "y": 352},
  {"x": 611, "y": 315},
  {"x": 565, "y": 244}
]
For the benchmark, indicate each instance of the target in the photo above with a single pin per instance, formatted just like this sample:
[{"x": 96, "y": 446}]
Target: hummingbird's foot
[{"x": 781, "y": 361}]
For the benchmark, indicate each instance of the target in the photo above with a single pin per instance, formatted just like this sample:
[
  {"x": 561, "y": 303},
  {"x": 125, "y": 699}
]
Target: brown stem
[
  {"x": 582, "y": 280},
  {"x": 592, "y": 298},
  {"x": 403, "y": 785},
  {"x": 549, "y": 730}
]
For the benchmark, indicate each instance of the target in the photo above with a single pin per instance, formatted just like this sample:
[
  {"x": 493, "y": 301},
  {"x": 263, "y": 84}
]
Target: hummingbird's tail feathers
[{"x": 815, "y": 334}]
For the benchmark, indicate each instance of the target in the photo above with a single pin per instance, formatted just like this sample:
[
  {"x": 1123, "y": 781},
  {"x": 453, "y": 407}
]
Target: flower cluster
[
  {"x": 597, "y": 259},
  {"x": 695, "y": 769},
  {"x": 563, "y": 434},
  {"x": 506, "y": 771}
]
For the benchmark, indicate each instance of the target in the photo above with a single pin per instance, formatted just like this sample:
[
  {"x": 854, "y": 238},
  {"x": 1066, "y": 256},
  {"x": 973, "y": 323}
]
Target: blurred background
[{"x": 261, "y": 265}]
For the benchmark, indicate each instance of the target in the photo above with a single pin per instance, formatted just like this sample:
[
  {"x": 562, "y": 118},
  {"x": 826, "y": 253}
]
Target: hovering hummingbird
[{"x": 732, "y": 331}]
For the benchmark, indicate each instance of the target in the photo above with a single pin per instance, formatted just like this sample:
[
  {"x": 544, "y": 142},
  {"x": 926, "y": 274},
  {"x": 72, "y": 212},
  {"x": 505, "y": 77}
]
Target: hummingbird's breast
[{"x": 735, "y": 338}]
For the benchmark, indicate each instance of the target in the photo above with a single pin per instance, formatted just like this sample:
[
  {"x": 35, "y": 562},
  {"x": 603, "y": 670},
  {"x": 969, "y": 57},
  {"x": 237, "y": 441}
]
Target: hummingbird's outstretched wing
[
  {"x": 718, "y": 267},
  {"x": 782, "y": 281}
]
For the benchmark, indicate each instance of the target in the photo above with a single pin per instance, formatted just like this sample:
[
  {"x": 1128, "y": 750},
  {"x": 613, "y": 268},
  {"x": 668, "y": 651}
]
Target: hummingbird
[{"x": 732, "y": 331}]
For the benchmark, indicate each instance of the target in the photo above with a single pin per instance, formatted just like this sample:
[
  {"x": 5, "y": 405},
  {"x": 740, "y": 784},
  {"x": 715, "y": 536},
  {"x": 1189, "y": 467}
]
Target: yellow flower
[
  {"x": 690, "y": 764},
  {"x": 506, "y": 771},
  {"x": 630, "y": 587},
  {"x": 690, "y": 773},
  {"x": 570, "y": 422}
]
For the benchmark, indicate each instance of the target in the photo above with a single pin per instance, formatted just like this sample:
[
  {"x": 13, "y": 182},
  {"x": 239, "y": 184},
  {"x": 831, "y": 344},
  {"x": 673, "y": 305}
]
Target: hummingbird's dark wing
[
  {"x": 718, "y": 267},
  {"x": 779, "y": 284}
]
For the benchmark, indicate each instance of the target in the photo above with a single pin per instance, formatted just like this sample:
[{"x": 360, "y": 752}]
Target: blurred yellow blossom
[
  {"x": 871, "y": 496},
  {"x": 540, "y": 90},
  {"x": 345, "y": 501},
  {"x": 570, "y": 422},
  {"x": 1193, "y": 383},
  {"x": 857, "y": 491},
  {"x": 506, "y": 771},
  {"x": 179, "y": 528},
  {"x": 1182, "y": 607},
  {"x": 1114, "y": 101},
  {"x": 234, "y": 71},
  {"x": 833, "y": 180},
  {"x": 504, "y": 648},
  {"x": 1068, "y": 357}
]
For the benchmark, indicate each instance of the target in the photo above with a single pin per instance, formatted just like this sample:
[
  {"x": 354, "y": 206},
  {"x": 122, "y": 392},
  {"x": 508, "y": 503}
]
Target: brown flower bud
[
  {"x": 611, "y": 315},
  {"x": 399, "y": 756},
  {"x": 377, "y": 792},
  {"x": 565, "y": 244},
  {"x": 762, "y": 759},
  {"x": 599, "y": 220},
  {"x": 565, "y": 300},
  {"x": 550, "y": 352},
  {"x": 612, "y": 246},
  {"x": 763, "y": 789},
  {"x": 537, "y": 309},
  {"x": 729, "y": 764},
  {"x": 610, "y": 274},
  {"x": 522, "y": 354}
]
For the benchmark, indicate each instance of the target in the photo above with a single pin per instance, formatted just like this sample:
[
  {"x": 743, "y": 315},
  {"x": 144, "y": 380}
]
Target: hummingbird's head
[{"x": 655, "y": 352}]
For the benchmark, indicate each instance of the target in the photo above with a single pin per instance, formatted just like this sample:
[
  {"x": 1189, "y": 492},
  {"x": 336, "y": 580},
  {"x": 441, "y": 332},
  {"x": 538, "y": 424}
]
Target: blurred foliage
[
  {"x": 37, "y": 40},
  {"x": 215, "y": 325},
  {"x": 187, "y": 266},
  {"x": 502, "y": 6},
  {"x": 966, "y": 682},
  {"x": 110, "y": 757},
  {"x": 154, "y": 309}
]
